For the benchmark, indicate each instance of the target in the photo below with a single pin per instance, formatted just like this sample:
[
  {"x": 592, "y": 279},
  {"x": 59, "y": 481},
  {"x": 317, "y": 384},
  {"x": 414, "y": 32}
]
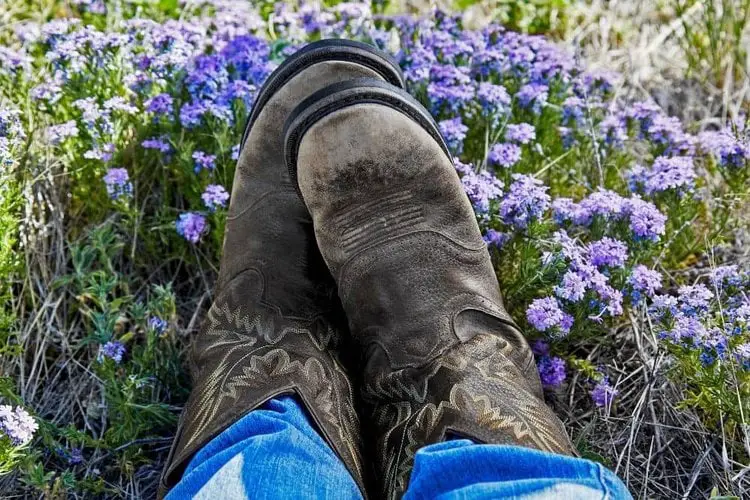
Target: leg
[
  {"x": 272, "y": 452},
  {"x": 463, "y": 469}
]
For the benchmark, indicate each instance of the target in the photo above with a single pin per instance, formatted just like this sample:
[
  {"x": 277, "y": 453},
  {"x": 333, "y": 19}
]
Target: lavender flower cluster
[
  {"x": 713, "y": 323},
  {"x": 17, "y": 425}
]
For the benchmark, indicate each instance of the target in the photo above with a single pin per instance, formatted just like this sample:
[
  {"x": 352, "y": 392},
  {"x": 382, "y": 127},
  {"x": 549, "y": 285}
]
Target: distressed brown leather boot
[
  {"x": 272, "y": 328},
  {"x": 441, "y": 355}
]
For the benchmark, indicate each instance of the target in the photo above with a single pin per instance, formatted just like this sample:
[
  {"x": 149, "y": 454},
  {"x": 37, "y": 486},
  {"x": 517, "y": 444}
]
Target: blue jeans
[{"x": 275, "y": 452}]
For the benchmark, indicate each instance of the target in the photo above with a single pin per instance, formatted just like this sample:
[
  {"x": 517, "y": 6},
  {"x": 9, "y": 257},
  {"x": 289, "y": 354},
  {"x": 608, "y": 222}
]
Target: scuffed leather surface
[
  {"x": 416, "y": 282},
  {"x": 273, "y": 327}
]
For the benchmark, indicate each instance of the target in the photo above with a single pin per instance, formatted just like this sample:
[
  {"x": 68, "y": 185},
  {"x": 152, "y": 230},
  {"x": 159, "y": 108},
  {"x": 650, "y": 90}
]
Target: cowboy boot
[
  {"x": 272, "y": 328},
  {"x": 442, "y": 357}
]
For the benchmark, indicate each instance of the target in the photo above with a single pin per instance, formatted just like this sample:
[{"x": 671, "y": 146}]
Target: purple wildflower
[
  {"x": 235, "y": 152},
  {"x": 614, "y": 130},
  {"x": 58, "y": 133},
  {"x": 667, "y": 173},
  {"x": 113, "y": 350},
  {"x": 603, "y": 394},
  {"x": 608, "y": 252},
  {"x": 604, "y": 203},
  {"x": 157, "y": 324},
  {"x": 646, "y": 221},
  {"x": 118, "y": 183},
  {"x": 49, "y": 92},
  {"x": 454, "y": 132},
  {"x": 663, "y": 305},
  {"x": 540, "y": 348},
  {"x": 482, "y": 187},
  {"x": 103, "y": 153},
  {"x": 728, "y": 149},
  {"x": 572, "y": 287},
  {"x": 694, "y": 298},
  {"x": 160, "y": 104},
  {"x": 494, "y": 99},
  {"x": 215, "y": 196},
  {"x": 204, "y": 161},
  {"x": 742, "y": 353},
  {"x": 495, "y": 238},
  {"x": 160, "y": 144},
  {"x": 573, "y": 108},
  {"x": 75, "y": 456},
  {"x": 545, "y": 315},
  {"x": 723, "y": 273},
  {"x": 191, "y": 226},
  {"x": 192, "y": 113},
  {"x": 533, "y": 95},
  {"x": 551, "y": 371},
  {"x": 644, "y": 280},
  {"x": 527, "y": 200},
  {"x": 17, "y": 424},
  {"x": 565, "y": 209},
  {"x": 522, "y": 133},
  {"x": 504, "y": 154}
]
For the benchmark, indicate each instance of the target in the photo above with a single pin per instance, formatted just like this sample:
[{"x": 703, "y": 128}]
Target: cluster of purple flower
[
  {"x": 587, "y": 274},
  {"x": 552, "y": 369},
  {"x": 714, "y": 323},
  {"x": 191, "y": 226},
  {"x": 730, "y": 146},
  {"x": 17, "y": 424},
  {"x": 482, "y": 187},
  {"x": 644, "y": 219},
  {"x": 113, "y": 350},
  {"x": 118, "y": 183},
  {"x": 157, "y": 324}
]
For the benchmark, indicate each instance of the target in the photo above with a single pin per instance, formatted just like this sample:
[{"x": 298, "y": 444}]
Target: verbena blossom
[
  {"x": 204, "y": 161},
  {"x": 727, "y": 147},
  {"x": 160, "y": 144},
  {"x": 113, "y": 350},
  {"x": 522, "y": 133},
  {"x": 482, "y": 187},
  {"x": 504, "y": 154},
  {"x": 191, "y": 226},
  {"x": 494, "y": 99},
  {"x": 17, "y": 424},
  {"x": 495, "y": 238},
  {"x": 694, "y": 298},
  {"x": 454, "y": 133},
  {"x": 215, "y": 196},
  {"x": 551, "y": 371},
  {"x": 533, "y": 95},
  {"x": 526, "y": 201},
  {"x": 157, "y": 324},
  {"x": 118, "y": 183},
  {"x": 603, "y": 394},
  {"x": 572, "y": 287},
  {"x": 59, "y": 133},
  {"x": 644, "y": 281},
  {"x": 75, "y": 456},
  {"x": 546, "y": 316},
  {"x": 608, "y": 252},
  {"x": 667, "y": 173},
  {"x": 160, "y": 104}
]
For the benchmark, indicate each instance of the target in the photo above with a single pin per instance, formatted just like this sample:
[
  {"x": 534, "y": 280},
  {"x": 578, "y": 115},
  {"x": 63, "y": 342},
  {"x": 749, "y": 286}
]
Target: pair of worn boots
[{"x": 347, "y": 208}]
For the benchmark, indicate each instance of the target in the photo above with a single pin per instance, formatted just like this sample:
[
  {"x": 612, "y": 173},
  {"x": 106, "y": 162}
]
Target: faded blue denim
[{"x": 275, "y": 452}]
